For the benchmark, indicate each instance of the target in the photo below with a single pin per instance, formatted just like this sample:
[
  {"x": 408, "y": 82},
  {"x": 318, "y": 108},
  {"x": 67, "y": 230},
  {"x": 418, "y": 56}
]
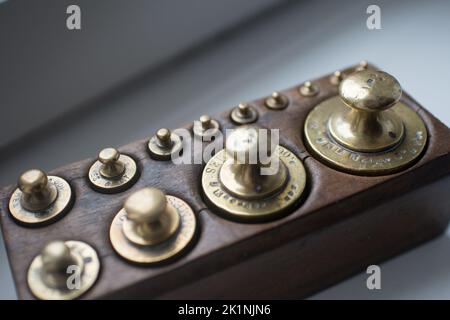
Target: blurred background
[{"x": 136, "y": 66}]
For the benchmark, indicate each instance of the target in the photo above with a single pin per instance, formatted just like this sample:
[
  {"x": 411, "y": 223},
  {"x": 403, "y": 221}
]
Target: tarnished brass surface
[
  {"x": 366, "y": 125},
  {"x": 152, "y": 227},
  {"x": 244, "y": 114},
  {"x": 240, "y": 190},
  {"x": 366, "y": 130},
  {"x": 113, "y": 172},
  {"x": 40, "y": 199},
  {"x": 336, "y": 78},
  {"x": 63, "y": 270},
  {"x": 277, "y": 101},
  {"x": 164, "y": 144},
  {"x": 205, "y": 127},
  {"x": 308, "y": 89}
]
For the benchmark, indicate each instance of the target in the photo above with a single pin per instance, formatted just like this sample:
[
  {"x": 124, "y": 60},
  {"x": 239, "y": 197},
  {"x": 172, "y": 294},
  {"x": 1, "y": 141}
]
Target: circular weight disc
[
  {"x": 102, "y": 184},
  {"x": 395, "y": 159},
  {"x": 160, "y": 153},
  {"x": 260, "y": 209},
  {"x": 55, "y": 211},
  {"x": 89, "y": 274},
  {"x": 165, "y": 250},
  {"x": 238, "y": 119}
]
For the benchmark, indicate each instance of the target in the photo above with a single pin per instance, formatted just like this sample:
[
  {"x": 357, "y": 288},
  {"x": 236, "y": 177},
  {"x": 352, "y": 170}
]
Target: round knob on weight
[
  {"x": 56, "y": 258},
  {"x": 205, "y": 127},
  {"x": 251, "y": 171},
  {"x": 63, "y": 270},
  {"x": 150, "y": 219},
  {"x": 113, "y": 171},
  {"x": 37, "y": 193},
  {"x": 111, "y": 167},
  {"x": 367, "y": 125},
  {"x": 164, "y": 140}
]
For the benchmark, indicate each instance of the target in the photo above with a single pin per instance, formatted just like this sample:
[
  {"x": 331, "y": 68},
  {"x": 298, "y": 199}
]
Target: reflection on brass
[
  {"x": 40, "y": 199},
  {"x": 113, "y": 172},
  {"x": 367, "y": 125},
  {"x": 164, "y": 144},
  {"x": 336, "y": 78},
  {"x": 244, "y": 114},
  {"x": 363, "y": 65},
  {"x": 205, "y": 127},
  {"x": 63, "y": 270},
  {"x": 241, "y": 189},
  {"x": 277, "y": 101},
  {"x": 308, "y": 89},
  {"x": 366, "y": 130},
  {"x": 152, "y": 227}
]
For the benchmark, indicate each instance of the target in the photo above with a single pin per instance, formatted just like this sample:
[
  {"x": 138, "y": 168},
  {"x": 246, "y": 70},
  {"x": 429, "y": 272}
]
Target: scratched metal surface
[{"x": 292, "y": 44}]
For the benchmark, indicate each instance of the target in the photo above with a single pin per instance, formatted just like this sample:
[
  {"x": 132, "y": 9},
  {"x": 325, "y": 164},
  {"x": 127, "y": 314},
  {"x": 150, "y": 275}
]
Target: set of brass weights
[{"x": 365, "y": 130}]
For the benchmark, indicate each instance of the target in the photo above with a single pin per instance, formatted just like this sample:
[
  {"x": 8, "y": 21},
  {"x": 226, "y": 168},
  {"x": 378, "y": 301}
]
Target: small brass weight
[
  {"x": 253, "y": 190},
  {"x": 40, "y": 199},
  {"x": 152, "y": 227},
  {"x": 113, "y": 172},
  {"x": 366, "y": 130},
  {"x": 64, "y": 270}
]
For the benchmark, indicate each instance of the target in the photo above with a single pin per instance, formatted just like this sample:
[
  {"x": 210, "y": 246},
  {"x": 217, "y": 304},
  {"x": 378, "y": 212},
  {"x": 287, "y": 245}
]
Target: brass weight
[
  {"x": 164, "y": 144},
  {"x": 113, "y": 172},
  {"x": 64, "y": 270},
  {"x": 241, "y": 189},
  {"x": 244, "y": 113},
  {"x": 152, "y": 227},
  {"x": 366, "y": 130},
  {"x": 40, "y": 199}
]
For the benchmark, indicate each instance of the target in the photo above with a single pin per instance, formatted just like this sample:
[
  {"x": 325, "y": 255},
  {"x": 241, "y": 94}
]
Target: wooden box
[{"x": 345, "y": 223}]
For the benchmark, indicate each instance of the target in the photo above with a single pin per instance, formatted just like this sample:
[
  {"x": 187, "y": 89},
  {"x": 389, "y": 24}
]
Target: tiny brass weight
[
  {"x": 152, "y": 227},
  {"x": 164, "y": 144},
  {"x": 366, "y": 130},
  {"x": 244, "y": 113},
  {"x": 113, "y": 172},
  {"x": 249, "y": 184},
  {"x": 308, "y": 89},
  {"x": 277, "y": 101},
  {"x": 40, "y": 199},
  {"x": 205, "y": 128},
  {"x": 64, "y": 270}
]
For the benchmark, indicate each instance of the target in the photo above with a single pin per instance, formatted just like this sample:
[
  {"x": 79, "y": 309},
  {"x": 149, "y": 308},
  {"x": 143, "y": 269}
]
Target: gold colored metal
[
  {"x": 112, "y": 167},
  {"x": 164, "y": 144},
  {"x": 206, "y": 127},
  {"x": 152, "y": 227},
  {"x": 244, "y": 114},
  {"x": 367, "y": 125},
  {"x": 150, "y": 220},
  {"x": 63, "y": 270},
  {"x": 363, "y": 65},
  {"x": 366, "y": 130},
  {"x": 40, "y": 199},
  {"x": 277, "y": 101},
  {"x": 113, "y": 172},
  {"x": 308, "y": 89},
  {"x": 336, "y": 78},
  {"x": 240, "y": 190}
]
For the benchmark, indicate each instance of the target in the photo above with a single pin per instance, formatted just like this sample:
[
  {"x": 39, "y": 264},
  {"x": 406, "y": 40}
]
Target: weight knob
[
  {"x": 113, "y": 171},
  {"x": 152, "y": 227},
  {"x": 39, "y": 198},
  {"x": 63, "y": 270},
  {"x": 164, "y": 144},
  {"x": 248, "y": 181},
  {"x": 366, "y": 129}
]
